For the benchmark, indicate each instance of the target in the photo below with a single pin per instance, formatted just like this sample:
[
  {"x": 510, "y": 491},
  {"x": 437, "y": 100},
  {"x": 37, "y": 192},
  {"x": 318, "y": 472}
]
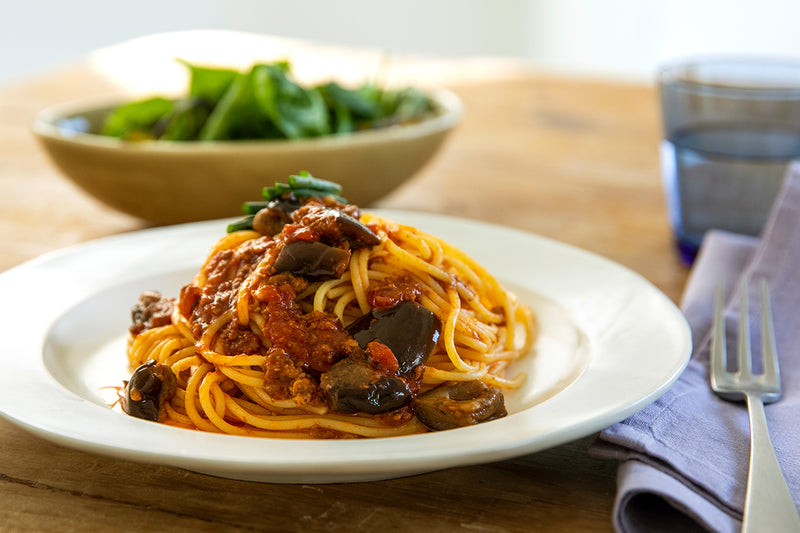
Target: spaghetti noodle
[{"x": 329, "y": 324}]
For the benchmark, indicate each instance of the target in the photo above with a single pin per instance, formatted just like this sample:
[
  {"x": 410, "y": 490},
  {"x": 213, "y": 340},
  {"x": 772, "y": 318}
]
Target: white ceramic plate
[{"x": 610, "y": 344}]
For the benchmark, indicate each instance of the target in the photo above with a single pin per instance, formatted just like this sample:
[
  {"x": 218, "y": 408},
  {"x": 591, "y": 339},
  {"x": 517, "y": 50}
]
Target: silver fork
[{"x": 768, "y": 503}]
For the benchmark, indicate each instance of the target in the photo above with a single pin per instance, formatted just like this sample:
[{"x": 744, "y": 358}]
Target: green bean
[
  {"x": 245, "y": 223},
  {"x": 307, "y": 181}
]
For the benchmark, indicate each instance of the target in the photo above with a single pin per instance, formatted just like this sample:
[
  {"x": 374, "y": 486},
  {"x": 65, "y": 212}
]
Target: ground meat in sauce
[
  {"x": 389, "y": 292},
  {"x": 239, "y": 339},
  {"x": 225, "y": 271},
  {"x": 297, "y": 283},
  {"x": 151, "y": 311},
  {"x": 314, "y": 340},
  {"x": 397, "y": 417},
  {"x": 210, "y": 305},
  {"x": 314, "y": 222},
  {"x": 286, "y": 380}
]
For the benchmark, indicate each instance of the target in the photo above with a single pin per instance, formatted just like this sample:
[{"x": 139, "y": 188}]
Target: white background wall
[{"x": 606, "y": 38}]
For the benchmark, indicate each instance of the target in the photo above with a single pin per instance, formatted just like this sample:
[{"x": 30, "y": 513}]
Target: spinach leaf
[
  {"x": 295, "y": 111},
  {"x": 362, "y": 103},
  {"x": 185, "y": 121},
  {"x": 238, "y": 115},
  {"x": 408, "y": 104},
  {"x": 209, "y": 83},
  {"x": 263, "y": 103},
  {"x": 342, "y": 119},
  {"x": 135, "y": 120}
]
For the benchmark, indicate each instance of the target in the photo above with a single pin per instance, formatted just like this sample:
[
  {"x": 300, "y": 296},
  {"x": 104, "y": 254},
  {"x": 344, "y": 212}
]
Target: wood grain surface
[{"x": 570, "y": 159}]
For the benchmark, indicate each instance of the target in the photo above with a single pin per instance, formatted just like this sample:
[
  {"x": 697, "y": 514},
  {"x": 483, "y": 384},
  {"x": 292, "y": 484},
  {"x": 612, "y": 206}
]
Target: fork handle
[{"x": 768, "y": 504}]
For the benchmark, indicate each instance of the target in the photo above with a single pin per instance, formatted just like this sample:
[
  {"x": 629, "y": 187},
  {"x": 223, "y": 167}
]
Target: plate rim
[{"x": 331, "y": 461}]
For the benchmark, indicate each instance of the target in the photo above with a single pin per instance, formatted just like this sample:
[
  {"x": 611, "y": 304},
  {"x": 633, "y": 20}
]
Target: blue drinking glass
[{"x": 731, "y": 127}]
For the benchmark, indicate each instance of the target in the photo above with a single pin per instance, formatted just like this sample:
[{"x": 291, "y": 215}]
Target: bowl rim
[{"x": 44, "y": 127}]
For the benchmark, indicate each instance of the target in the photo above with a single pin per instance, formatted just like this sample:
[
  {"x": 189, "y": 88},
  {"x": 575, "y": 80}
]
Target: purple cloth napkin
[{"x": 685, "y": 456}]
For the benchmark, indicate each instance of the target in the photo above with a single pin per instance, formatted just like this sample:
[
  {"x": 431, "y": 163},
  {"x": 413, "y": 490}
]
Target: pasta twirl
[{"x": 330, "y": 324}]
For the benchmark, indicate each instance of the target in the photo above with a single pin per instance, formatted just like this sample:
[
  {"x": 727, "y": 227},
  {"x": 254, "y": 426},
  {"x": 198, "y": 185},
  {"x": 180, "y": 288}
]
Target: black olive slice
[{"x": 150, "y": 387}]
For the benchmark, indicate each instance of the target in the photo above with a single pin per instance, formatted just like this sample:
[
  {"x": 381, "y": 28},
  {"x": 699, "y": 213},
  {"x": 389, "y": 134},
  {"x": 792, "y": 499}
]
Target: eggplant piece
[
  {"x": 353, "y": 385},
  {"x": 455, "y": 404},
  {"x": 356, "y": 233},
  {"x": 408, "y": 329},
  {"x": 150, "y": 387},
  {"x": 311, "y": 260}
]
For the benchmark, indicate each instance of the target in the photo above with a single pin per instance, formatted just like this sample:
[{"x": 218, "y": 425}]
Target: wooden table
[{"x": 565, "y": 158}]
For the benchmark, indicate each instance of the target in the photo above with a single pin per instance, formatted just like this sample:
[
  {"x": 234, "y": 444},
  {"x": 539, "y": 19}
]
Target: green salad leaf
[
  {"x": 264, "y": 102},
  {"x": 237, "y": 115},
  {"x": 363, "y": 102},
  {"x": 184, "y": 122},
  {"x": 209, "y": 83},
  {"x": 136, "y": 118},
  {"x": 295, "y": 111}
]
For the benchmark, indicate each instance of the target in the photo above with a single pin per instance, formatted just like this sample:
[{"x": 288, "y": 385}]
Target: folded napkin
[{"x": 685, "y": 456}]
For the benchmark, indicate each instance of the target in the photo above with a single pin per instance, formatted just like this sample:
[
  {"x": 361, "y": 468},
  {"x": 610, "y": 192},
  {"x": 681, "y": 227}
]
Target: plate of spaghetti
[{"x": 316, "y": 342}]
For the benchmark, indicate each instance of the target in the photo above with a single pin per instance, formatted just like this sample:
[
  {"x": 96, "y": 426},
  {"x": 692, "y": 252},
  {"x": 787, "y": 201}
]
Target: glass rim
[{"x": 678, "y": 73}]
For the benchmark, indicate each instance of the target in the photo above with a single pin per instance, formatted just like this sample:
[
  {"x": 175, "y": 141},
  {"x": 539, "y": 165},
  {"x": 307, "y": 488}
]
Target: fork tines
[{"x": 733, "y": 384}]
